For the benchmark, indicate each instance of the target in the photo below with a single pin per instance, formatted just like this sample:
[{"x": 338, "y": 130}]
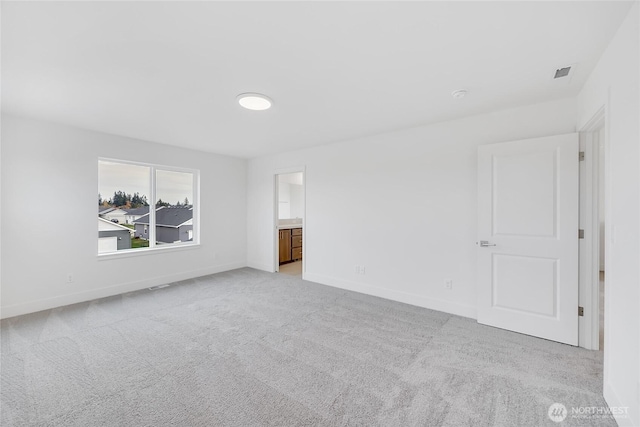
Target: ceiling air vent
[{"x": 562, "y": 72}]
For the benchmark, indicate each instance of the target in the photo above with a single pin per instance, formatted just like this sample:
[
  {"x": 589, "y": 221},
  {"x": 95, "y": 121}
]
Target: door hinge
[
  {"x": 580, "y": 234},
  {"x": 580, "y": 311},
  {"x": 581, "y": 156}
]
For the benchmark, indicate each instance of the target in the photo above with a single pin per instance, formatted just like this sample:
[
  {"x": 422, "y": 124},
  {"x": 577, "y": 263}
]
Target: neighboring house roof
[
  {"x": 102, "y": 210},
  {"x": 138, "y": 211},
  {"x": 112, "y": 212},
  {"x": 169, "y": 217},
  {"x": 106, "y": 225}
]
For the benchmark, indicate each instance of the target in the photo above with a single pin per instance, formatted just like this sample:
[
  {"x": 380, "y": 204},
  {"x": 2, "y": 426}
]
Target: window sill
[{"x": 129, "y": 253}]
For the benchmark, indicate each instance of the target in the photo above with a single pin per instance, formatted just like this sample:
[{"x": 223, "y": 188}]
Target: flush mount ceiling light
[
  {"x": 459, "y": 94},
  {"x": 254, "y": 101}
]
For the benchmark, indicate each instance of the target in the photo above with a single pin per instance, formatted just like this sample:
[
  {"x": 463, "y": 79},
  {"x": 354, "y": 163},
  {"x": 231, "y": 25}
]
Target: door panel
[
  {"x": 510, "y": 292},
  {"x": 523, "y": 206},
  {"x": 528, "y": 214}
]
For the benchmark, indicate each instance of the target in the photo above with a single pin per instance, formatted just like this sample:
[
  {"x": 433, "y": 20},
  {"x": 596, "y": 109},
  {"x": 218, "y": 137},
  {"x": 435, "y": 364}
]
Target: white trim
[
  {"x": 63, "y": 300},
  {"x": 595, "y": 122},
  {"x": 276, "y": 217},
  {"x": 588, "y": 180},
  {"x": 613, "y": 400},
  {"x": 195, "y": 207},
  {"x": 451, "y": 307},
  {"x": 152, "y": 209},
  {"x": 260, "y": 266},
  {"x": 589, "y": 294},
  {"x": 292, "y": 169},
  {"x": 152, "y": 165},
  {"x": 167, "y": 247}
]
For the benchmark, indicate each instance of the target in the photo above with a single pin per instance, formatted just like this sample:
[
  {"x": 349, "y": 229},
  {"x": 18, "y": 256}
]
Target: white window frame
[{"x": 195, "y": 203}]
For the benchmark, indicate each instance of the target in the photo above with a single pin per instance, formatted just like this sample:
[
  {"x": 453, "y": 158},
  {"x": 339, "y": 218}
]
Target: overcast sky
[{"x": 170, "y": 186}]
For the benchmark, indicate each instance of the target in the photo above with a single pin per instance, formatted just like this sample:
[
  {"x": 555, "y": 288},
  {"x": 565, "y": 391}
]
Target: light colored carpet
[{"x": 249, "y": 348}]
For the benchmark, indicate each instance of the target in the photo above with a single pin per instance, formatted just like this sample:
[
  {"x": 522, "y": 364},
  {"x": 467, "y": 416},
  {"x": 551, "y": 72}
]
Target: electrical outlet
[
  {"x": 448, "y": 284},
  {"x": 362, "y": 270},
  {"x": 69, "y": 277},
  {"x": 357, "y": 269}
]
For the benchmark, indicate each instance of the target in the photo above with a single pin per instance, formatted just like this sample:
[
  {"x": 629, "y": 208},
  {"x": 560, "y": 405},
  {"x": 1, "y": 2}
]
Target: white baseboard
[
  {"x": 260, "y": 266},
  {"x": 631, "y": 419},
  {"x": 62, "y": 300},
  {"x": 404, "y": 297}
]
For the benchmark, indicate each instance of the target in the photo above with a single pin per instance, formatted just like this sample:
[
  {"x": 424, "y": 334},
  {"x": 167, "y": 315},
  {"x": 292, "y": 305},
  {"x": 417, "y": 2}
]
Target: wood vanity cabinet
[
  {"x": 284, "y": 244},
  {"x": 296, "y": 244},
  {"x": 290, "y": 244}
]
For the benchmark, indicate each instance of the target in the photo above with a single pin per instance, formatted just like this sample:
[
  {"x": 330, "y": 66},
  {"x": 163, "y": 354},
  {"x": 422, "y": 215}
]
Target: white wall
[
  {"x": 284, "y": 200},
  {"x": 290, "y": 196},
  {"x": 49, "y": 187},
  {"x": 430, "y": 171},
  {"x": 297, "y": 200},
  {"x": 614, "y": 85}
]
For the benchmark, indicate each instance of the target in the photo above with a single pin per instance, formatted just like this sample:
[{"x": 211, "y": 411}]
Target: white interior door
[{"x": 528, "y": 237}]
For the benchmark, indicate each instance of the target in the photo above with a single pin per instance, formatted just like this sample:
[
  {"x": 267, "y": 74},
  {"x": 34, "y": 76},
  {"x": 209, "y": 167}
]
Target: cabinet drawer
[
  {"x": 296, "y": 253},
  {"x": 296, "y": 231},
  {"x": 296, "y": 241}
]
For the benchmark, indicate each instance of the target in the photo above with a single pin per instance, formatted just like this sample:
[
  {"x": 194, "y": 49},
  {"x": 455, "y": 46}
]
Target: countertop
[{"x": 289, "y": 226}]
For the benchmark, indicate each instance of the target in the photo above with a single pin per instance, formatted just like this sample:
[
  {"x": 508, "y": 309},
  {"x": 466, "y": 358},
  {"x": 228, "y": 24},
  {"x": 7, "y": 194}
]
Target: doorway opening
[
  {"x": 593, "y": 228},
  {"x": 599, "y": 151},
  {"x": 289, "y": 238}
]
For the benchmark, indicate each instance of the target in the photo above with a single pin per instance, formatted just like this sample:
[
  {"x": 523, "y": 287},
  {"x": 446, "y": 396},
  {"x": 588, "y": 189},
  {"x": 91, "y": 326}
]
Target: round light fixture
[
  {"x": 254, "y": 101},
  {"x": 459, "y": 94}
]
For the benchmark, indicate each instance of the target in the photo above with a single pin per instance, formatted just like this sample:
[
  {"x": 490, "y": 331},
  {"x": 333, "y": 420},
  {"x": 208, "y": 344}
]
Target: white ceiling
[{"x": 169, "y": 72}]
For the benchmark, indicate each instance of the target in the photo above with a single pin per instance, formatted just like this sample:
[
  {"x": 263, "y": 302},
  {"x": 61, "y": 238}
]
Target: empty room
[{"x": 419, "y": 213}]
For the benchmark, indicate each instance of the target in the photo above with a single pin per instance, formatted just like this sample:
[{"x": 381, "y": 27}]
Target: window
[{"x": 128, "y": 213}]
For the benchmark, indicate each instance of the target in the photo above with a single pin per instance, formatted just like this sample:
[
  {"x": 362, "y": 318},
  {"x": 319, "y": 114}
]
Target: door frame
[
  {"x": 276, "y": 243},
  {"x": 589, "y": 255}
]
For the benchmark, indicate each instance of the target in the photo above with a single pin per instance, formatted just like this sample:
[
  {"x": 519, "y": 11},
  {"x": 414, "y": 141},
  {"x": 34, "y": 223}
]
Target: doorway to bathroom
[{"x": 290, "y": 206}]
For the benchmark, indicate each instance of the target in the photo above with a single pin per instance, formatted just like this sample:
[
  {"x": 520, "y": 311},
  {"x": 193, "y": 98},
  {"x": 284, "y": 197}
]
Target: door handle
[{"x": 485, "y": 243}]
